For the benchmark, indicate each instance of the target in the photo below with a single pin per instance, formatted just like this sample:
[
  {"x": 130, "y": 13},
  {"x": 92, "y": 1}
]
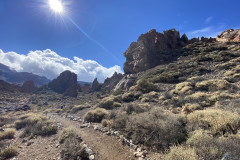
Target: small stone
[{"x": 91, "y": 157}]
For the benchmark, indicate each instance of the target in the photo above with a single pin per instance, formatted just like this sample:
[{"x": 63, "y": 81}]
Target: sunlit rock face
[
  {"x": 152, "y": 49},
  {"x": 229, "y": 35},
  {"x": 65, "y": 83}
]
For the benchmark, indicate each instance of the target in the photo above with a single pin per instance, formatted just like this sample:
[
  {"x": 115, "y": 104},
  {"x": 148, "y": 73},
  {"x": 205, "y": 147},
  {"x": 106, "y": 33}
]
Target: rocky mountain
[
  {"x": 66, "y": 83},
  {"x": 19, "y": 78},
  {"x": 152, "y": 49}
]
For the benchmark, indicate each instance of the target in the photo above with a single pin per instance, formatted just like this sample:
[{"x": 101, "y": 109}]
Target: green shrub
[
  {"x": 8, "y": 134},
  {"x": 218, "y": 121},
  {"x": 145, "y": 86},
  {"x": 8, "y": 152},
  {"x": 167, "y": 77},
  {"x": 36, "y": 124},
  {"x": 96, "y": 115},
  {"x": 130, "y": 96},
  {"x": 182, "y": 153}
]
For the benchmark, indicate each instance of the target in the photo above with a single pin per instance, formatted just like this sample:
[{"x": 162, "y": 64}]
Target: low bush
[
  {"x": 130, "y": 96},
  {"x": 36, "y": 124},
  {"x": 167, "y": 77},
  {"x": 182, "y": 153},
  {"x": 8, "y": 152},
  {"x": 189, "y": 108},
  {"x": 96, "y": 115},
  {"x": 134, "y": 108},
  {"x": 218, "y": 121},
  {"x": 109, "y": 103},
  {"x": 214, "y": 85},
  {"x": 8, "y": 134},
  {"x": 107, "y": 123},
  {"x": 154, "y": 128},
  {"x": 71, "y": 147},
  {"x": 145, "y": 86},
  {"x": 210, "y": 147},
  {"x": 77, "y": 108}
]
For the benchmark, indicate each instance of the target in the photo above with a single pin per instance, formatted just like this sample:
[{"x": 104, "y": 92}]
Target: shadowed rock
[
  {"x": 65, "y": 83},
  {"x": 152, "y": 49}
]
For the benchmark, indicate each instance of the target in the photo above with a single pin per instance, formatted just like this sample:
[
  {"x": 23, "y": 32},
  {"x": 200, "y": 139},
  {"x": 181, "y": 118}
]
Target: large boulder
[
  {"x": 65, "y": 83},
  {"x": 229, "y": 35},
  {"x": 152, "y": 49}
]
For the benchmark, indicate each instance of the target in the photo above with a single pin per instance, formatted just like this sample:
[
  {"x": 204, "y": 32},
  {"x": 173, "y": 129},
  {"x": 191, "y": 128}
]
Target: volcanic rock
[
  {"x": 95, "y": 85},
  {"x": 110, "y": 83},
  {"x": 65, "y": 83},
  {"x": 28, "y": 87},
  {"x": 229, "y": 35},
  {"x": 152, "y": 49}
]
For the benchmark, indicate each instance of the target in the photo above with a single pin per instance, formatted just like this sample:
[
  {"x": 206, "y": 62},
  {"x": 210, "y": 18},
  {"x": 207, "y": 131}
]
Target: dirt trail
[{"x": 105, "y": 147}]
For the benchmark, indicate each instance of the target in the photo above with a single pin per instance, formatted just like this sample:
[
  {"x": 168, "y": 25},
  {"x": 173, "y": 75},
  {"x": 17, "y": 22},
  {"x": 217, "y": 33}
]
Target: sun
[{"x": 56, "y": 6}]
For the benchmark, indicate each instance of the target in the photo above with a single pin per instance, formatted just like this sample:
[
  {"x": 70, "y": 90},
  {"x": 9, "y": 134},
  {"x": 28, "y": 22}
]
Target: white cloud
[
  {"x": 49, "y": 64},
  {"x": 208, "y": 19},
  {"x": 199, "y": 31}
]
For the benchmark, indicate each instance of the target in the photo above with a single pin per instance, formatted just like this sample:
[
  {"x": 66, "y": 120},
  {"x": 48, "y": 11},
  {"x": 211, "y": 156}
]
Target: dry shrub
[
  {"x": 189, "y": 108},
  {"x": 181, "y": 153},
  {"x": 211, "y": 148},
  {"x": 154, "y": 128},
  {"x": 134, "y": 108},
  {"x": 145, "y": 86},
  {"x": 8, "y": 134},
  {"x": 8, "y": 152},
  {"x": 214, "y": 85},
  {"x": 96, "y": 115},
  {"x": 167, "y": 77},
  {"x": 218, "y": 121},
  {"x": 3, "y": 120},
  {"x": 36, "y": 124},
  {"x": 130, "y": 96},
  {"x": 77, "y": 108},
  {"x": 109, "y": 103},
  {"x": 107, "y": 123},
  {"x": 71, "y": 146}
]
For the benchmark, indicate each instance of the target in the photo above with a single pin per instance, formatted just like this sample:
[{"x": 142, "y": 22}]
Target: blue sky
[{"x": 29, "y": 25}]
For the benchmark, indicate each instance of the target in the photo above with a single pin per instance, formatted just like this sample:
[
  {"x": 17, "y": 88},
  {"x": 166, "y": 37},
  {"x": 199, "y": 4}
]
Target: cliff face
[{"x": 152, "y": 49}]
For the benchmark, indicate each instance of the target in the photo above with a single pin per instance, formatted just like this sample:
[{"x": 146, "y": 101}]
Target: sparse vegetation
[
  {"x": 8, "y": 152},
  {"x": 145, "y": 86},
  {"x": 36, "y": 124},
  {"x": 7, "y": 134},
  {"x": 182, "y": 153},
  {"x": 218, "y": 121},
  {"x": 96, "y": 115},
  {"x": 77, "y": 108},
  {"x": 71, "y": 146}
]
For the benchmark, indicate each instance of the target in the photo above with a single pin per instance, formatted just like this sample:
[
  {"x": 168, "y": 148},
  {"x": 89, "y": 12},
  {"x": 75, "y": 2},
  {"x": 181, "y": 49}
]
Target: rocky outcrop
[
  {"x": 28, "y": 87},
  {"x": 229, "y": 35},
  {"x": 152, "y": 49},
  {"x": 110, "y": 83},
  {"x": 4, "y": 86},
  {"x": 126, "y": 82},
  {"x": 65, "y": 83},
  {"x": 95, "y": 85}
]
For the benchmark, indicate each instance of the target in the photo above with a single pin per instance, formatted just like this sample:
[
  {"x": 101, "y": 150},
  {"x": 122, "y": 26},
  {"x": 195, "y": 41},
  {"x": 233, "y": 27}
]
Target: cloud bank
[{"x": 49, "y": 64}]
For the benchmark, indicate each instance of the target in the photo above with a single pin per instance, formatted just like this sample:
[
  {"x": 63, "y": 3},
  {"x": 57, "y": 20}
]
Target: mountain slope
[{"x": 19, "y": 78}]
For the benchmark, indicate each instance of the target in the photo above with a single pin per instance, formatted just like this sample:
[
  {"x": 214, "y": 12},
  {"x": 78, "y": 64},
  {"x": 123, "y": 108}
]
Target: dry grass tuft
[
  {"x": 218, "y": 121},
  {"x": 8, "y": 152},
  {"x": 8, "y": 134},
  {"x": 182, "y": 153},
  {"x": 96, "y": 115}
]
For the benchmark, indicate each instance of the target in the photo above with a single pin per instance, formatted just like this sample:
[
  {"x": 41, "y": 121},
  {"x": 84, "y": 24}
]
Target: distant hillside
[{"x": 12, "y": 76}]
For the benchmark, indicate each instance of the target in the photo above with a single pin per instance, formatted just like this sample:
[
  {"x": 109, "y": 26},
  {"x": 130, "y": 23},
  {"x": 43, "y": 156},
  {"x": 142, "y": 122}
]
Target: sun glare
[{"x": 56, "y": 5}]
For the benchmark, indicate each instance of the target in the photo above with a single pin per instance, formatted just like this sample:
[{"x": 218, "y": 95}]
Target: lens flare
[{"x": 56, "y": 5}]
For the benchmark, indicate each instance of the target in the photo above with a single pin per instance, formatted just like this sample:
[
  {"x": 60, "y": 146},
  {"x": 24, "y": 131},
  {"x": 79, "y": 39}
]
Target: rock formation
[
  {"x": 110, "y": 83},
  {"x": 95, "y": 85},
  {"x": 65, "y": 83},
  {"x": 126, "y": 82},
  {"x": 229, "y": 35},
  {"x": 28, "y": 87},
  {"x": 152, "y": 49}
]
